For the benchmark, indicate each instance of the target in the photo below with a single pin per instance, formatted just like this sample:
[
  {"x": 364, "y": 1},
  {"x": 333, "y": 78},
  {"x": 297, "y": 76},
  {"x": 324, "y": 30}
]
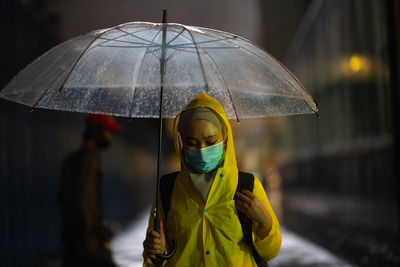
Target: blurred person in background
[
  {"x": 85, "y": 235},
  {"x": 205, "y": 201}
]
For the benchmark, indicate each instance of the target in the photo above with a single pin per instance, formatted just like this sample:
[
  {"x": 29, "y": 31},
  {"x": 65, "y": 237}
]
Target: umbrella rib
[
  {"x": 281, "y": 76},
  {"x": 215, "y": 64},
  {"x": 212, "y": 47},
  {"x": 304, "y": 89},
  {"x": 200, "y": 62},
  {"x": 223, "y": 79},
  {"x": 302, "y": 94},
  {"x": 115, "y": 39},
  {"x": 153, "y": 52},
  {"x": 216, "y": 47},
  {"x": 275, "y": 94},
  {"x": 150, "y": 42},
  {"x": 178, "y": 47},
  {"x": 122, "y": 41},
  {"x": 140, "y": 38},
  {"x": 176, "y": 36},
  {"x": 49, "y": 66},
  {"x": 158, "y": 48},
  {"x": 187, "y": 49},
  {"x": 107, "y": 41},
  {"x": 125, "y": 46},
  {"x": 176, "y": 51},
  {"x": 172, "y": 46},
  {"x": 84, "y": 51},
  {"x": 140, "y": 70},
  {"x": 168, "y": 46},
  {"x": 210, "y": 41}
]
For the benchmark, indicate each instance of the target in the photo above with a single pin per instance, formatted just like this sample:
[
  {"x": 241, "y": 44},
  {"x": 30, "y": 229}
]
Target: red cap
[{"x": 105, "y": 120}]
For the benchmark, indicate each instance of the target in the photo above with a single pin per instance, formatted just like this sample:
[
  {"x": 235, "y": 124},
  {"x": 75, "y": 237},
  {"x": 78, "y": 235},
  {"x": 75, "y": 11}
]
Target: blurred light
[
  {"x": 356, "y": 66},
  {"x": 355, "y": 63},
  {"x": 360, "y": 64}
]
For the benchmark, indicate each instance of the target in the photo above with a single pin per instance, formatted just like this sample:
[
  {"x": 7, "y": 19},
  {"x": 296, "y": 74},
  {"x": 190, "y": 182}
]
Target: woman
[{"x": 203, "y": 213}]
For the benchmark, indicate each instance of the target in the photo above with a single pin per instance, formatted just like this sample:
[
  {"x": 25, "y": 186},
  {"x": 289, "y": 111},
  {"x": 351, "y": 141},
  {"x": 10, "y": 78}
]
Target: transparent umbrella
[
  {"x": 117, "y": 71},
  {"x": 153, "y": 70}
]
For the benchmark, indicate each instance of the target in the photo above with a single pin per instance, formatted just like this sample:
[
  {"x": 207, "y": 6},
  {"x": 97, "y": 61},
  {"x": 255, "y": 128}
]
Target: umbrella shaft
[
  {"x": 162, "y": 74},
  {"x": 163, "y": 52},
  {"x": 157, "y": 217}
]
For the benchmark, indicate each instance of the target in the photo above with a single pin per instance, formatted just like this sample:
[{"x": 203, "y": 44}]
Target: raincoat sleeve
[
  {"x": 268, "y": 247},
  {"x": 150, "y": 227}
]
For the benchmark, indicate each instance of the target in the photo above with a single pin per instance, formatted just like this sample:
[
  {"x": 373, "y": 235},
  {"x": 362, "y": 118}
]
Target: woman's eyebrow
[{"x": 209, "y": 136}]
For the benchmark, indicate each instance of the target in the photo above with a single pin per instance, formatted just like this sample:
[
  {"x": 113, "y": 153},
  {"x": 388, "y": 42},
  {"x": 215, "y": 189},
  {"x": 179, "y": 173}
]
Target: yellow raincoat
[{"x": 210, "y": 233}]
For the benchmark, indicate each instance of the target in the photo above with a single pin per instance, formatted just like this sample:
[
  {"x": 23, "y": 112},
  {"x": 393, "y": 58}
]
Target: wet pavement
[
  {"x": 360, "y": 230},
  {"x": 295, "y": 251}
]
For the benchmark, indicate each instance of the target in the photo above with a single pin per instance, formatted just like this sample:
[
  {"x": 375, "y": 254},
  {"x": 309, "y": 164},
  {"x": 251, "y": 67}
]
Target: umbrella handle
[
  {"x": 167, "y": 256},
  {"x": 157, "y": 229}
]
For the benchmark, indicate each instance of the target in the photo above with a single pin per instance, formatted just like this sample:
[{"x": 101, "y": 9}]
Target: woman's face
[{"x": 200, "y": 134}]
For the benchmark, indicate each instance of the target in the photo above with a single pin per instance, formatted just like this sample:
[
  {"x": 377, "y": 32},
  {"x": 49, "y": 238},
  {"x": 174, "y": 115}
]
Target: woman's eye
[{"x": 211, "y": 143}]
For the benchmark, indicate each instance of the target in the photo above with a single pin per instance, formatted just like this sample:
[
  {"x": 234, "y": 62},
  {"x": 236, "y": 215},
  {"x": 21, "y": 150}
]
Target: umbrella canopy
[{"x": 116, "y": 71}]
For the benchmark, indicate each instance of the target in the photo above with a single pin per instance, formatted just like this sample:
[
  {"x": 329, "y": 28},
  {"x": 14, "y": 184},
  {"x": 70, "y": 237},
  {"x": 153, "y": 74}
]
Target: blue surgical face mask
[{"x": 206, "y": 159}]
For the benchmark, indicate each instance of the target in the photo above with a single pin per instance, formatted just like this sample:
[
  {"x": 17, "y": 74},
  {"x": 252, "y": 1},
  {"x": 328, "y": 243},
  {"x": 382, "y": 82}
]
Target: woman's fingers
[
  {"x": 253, "y": 208},
  {"x": 157, "y": 241},
  {"x": 151, "y": 242},
  {"x": 243, "y": 197},
  {"x": 245, "y": 204},
  {"x": 243, "y": 207},
  {"x": 152, "y": 252},
  {"x": 248, "y": 194},
  {"x": 153, "y": 234},
  {"x": 242, "y": 203},
  {"x": 153, "y": 245},
  {"x": 155, "y": 248}
]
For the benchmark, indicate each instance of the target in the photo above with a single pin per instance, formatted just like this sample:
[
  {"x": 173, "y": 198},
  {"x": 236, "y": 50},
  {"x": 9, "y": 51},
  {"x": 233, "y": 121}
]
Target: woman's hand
[
  {"x": 153, "y": 245},
  {"x": 253, "y": 208}
]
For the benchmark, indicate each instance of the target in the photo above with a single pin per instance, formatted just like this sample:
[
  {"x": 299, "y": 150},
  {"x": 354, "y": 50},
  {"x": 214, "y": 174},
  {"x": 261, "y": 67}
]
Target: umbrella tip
[{"x": 164, "y": 15}]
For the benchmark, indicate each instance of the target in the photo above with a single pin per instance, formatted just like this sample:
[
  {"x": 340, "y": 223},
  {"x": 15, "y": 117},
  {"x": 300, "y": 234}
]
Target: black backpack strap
[
  {"x": 166, "y": 186},
  {"x": 246, "y": 182}
]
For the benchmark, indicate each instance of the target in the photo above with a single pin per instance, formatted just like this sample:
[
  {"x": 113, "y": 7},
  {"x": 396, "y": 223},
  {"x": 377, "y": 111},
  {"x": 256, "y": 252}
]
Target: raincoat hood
[{"x": 205, "y": 101}]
